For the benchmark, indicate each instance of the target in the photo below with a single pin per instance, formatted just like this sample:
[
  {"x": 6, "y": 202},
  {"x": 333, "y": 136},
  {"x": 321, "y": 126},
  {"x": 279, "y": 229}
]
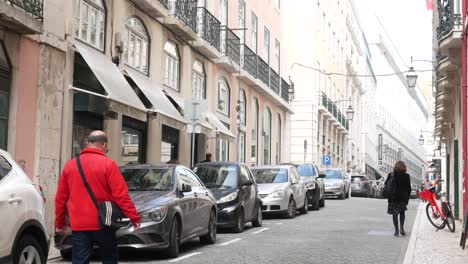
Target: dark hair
[
  {"x": 97, "y": 139},
  {"x": 400, "y": 167},
  {"x": 208, "y": 155}
]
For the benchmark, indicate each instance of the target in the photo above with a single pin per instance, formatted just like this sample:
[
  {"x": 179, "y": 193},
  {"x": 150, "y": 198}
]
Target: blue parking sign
[{"x": 326, "y": 160}]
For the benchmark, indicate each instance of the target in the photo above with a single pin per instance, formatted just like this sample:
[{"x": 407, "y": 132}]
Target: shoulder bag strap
[{"x": 91, "y": 194}]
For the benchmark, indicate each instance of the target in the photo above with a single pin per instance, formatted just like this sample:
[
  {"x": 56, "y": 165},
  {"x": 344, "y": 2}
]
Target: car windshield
[
  {"x": 306, "y": 170},
  {"x": 148, "y": 179},
  {"x": 333, "y": 174},
  {"x": 218, "y": 176},
  {"x": 358, "y": 178},
  {"x": 270, "y": 175}
]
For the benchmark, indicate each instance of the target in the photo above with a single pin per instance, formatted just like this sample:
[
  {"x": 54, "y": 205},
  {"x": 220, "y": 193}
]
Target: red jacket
[{"x": 105, "y": 180}]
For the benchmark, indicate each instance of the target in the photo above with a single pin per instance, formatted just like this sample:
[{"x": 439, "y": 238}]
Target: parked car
[
  {"x": 235, "y": 191},
  {"x": 281, "y": 190},
  {"x": 24, "y": 237},
  {"x": 336, "y": 183},
  {"x": 174, "y": 206},
  {"x": 313, "y": 181},
  {"x": 360, "y": 186},
  {"x": 414, "y": 191}
]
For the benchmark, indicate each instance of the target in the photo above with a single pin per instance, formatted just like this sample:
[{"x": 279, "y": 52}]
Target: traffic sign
[{"x": 327, "y": 160}]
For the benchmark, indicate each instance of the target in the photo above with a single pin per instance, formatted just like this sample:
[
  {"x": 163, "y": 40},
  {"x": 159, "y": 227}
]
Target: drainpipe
[{"x": 464, "y": 105}]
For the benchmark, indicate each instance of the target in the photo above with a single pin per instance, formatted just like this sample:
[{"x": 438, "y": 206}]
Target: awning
[
  {"x": 176, "y": 97},
  {"x": 117, "y": 88},
  {"x": 155, "y": 95},
  {"x": 219, "y": 126}
]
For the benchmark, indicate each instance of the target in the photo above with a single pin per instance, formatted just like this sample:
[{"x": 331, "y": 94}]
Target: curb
[{"x": 414, "y": 234}]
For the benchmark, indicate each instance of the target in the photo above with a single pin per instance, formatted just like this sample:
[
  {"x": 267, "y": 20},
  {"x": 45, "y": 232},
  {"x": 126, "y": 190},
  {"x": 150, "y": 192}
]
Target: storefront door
[
  {"x": 169, "y": 144},
  {"x": 4, "y": 97}
]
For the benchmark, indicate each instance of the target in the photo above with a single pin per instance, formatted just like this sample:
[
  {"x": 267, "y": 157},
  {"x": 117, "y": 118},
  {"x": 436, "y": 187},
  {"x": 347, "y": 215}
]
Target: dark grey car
[{"x": 174, "y": 206}]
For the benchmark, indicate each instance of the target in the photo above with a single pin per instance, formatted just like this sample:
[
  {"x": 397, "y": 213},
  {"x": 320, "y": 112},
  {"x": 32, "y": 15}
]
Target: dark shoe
[
  {"x": 402, "y": 231},
  {"x": 396, "y": 233}
]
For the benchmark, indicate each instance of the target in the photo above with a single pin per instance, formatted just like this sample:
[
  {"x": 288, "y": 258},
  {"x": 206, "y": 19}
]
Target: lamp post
[
  {"x": 421, "y": 137},
  {"x": 349, "y": 111},
  {"x": 411, "y": 76}
]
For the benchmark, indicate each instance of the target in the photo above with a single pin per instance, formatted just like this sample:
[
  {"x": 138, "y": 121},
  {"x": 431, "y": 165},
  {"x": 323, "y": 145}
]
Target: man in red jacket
[{"x": 108, "y": 184}]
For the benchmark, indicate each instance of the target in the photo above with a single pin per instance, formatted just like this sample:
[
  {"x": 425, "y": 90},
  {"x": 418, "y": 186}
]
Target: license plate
[{"x": 354, "y": 185}]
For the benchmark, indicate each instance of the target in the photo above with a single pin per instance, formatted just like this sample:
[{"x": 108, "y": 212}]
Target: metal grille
[
  {"x": 186, "y": 11},
  {"x": 263, "y": 71},
  {"x": 274, "y": 81},
  {"x": 232, "y": 46},
  {"x": 209, "y": 27},
  {"x": 33, "y": 7},
  {"x": 250, "y": 61}
]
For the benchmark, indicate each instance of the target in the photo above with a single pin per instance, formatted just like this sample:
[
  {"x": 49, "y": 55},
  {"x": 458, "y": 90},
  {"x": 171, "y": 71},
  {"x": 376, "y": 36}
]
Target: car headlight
[
  {"x": 228, "y": 198},
  {"x": 310, "y": 185},
  {"x": 276, "y": 195},
  {"x": 154, "y": 215}
]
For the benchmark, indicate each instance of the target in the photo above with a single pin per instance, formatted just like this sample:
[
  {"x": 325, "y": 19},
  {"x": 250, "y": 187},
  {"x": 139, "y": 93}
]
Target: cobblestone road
[{"x": 356, "y": 230}]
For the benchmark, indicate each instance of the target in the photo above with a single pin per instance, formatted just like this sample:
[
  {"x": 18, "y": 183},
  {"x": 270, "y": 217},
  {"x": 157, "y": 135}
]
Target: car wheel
[
  {"x": 322, "y": 202},
  {"x": 66, "y": 254},
  {"x": 291, "y": 213},
  {"x": 240, "y": 223},
  {"x": 258, "y": 222},
  {"x": 305, "y": 209},
  {"x": 29, "y": 250},
  {"x": 341, "y": 196},
  {"x": 210, "y": 238},
  {"x": 174, "y": 240},
  {"x": 316, "y": 201}
]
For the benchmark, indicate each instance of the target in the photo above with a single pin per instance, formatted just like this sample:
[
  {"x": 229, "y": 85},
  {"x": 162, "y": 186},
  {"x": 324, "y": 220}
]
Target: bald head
[{"x": 97, "y": 139}]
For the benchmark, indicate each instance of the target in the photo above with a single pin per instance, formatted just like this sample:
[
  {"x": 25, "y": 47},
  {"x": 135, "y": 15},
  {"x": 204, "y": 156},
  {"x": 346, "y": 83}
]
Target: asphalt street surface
[{"x": 356, "y": 230}]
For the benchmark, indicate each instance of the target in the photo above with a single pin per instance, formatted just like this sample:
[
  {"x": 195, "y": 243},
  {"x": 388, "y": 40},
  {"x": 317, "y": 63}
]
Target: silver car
[
  {"x": 281, "y": 190},
  {"x": 336, "y": 183}
]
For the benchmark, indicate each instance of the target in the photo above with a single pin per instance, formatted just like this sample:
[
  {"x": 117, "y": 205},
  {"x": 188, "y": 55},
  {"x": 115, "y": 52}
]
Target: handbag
[
  {"x": 109, "y": 213},
  {"x": 389, "y": 188}
]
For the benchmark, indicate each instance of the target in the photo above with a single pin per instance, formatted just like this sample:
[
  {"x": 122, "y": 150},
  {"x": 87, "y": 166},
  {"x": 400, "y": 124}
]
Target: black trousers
[{"x": 83, "y": 242}]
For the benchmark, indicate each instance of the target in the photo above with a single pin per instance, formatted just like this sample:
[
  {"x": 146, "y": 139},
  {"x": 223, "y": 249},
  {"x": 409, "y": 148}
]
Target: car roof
[
  {"x": 273, "y": 167},
  {"x": 359, "y": 176},
  {"x": 217, "y": 163},
  {"x": 149, "y": 165},
  {"x": 298, "y": 164}
]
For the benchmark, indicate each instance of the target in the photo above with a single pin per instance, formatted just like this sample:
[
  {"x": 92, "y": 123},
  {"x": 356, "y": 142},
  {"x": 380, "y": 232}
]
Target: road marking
[
  {"x": 261, "y": 230},
  {"x": 185, "y": 257},
  {"x": 278, "y": 223},
  {"x": 230, "y": 242}
]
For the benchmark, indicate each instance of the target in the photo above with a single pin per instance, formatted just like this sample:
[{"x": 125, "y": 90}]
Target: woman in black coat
[{"x": 399, "y": 196}]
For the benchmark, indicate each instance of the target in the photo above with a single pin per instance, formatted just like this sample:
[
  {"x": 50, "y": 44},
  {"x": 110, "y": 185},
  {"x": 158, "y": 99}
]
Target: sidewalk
[{"x": 426, "y": 246}]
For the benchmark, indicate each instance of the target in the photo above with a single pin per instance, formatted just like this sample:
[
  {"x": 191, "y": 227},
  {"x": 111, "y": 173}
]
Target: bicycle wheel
[
  {"x": 450, "y": 223},
  {"x": 434, "y": 217}
]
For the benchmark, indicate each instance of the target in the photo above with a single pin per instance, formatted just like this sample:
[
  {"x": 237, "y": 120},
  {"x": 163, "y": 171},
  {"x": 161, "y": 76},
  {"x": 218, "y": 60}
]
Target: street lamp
[
  {"x": 421, "y": 137},
  {"x": 411, "y": 77},
  {"x": 350, "y": 113}
]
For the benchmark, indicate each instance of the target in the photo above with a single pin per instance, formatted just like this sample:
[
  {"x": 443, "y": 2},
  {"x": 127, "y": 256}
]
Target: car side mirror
[
  {"x": 322, "y": 175},
  {"x": 185, "y": 188}
]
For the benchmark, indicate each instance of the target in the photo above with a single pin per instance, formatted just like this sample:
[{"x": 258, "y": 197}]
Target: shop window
[
  {"x": 90, "y": 20},
  {"x": 223, "y": 97},
  {"x": 254, "y": 141},
  {"x": 133, "y": 141},
  {"x": 169, "y": 144},
  {"x": 83, "y": 124},
  {"x": 171, "y": 66},
  {"x": 222, "y": 150},
  {"x": 4, "y": 96},
  {"x": 266, "y": 137},
  {"x": 198, "y": 81},
  {"x": 136, "y": 45}
]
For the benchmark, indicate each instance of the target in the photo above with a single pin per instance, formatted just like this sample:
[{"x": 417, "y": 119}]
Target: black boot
[
  {"x": 402, "y": 231},
  {"x": 397, "y": 233}
]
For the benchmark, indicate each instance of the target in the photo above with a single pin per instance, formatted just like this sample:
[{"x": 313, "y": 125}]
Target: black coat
[{"x": 402, "y": 186}]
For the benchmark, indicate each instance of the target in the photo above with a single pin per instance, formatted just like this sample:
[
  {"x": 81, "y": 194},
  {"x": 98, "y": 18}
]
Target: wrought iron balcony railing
[
  {"x": 185, "y": 10},
  {"x": 334, "y": 111},
  {"x": 263, "y": 71},
  {"x": 232, "y": 46},
  {"x": 448, "y": 20},
  {"x": 250, "y": 61},
  {"x": 274, "y": 81},
  {"x": 209, "y": 27},
  {"x": 165, "y": 3},
  {"x": 35, "y": 8},
  {"x": 285, "y": 90},
  {"x": 441, "y": 56}
]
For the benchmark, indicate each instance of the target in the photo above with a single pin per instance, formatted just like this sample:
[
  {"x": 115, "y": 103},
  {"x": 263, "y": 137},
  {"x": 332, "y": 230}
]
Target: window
[
  {"x": 278, "y": 141},
  {"x": 254, "y": 32},
  {"x": 198, "y": 81},
  {"x": 266, "y": 43},
  {"x": 241, "y": 15},
  {"x": 194, "y": 181},
  {"x": 5, "y": 167},
  {"x": 136, "y": 47},
  {"x": 222, "y": 150},
  {"x": 90, "y": 22},
  {"x": 277, "y": 56},
  {"x": 277, "y": 4},
  {"x": 242, "y": 108},
  {"x": 223, "y": 18},
  {"x": 4, "y": 96},
  {"x": 241, "y": 147},
  {"x": 244, "y": 174},
  {"x": 254, "y": 143},
  {"x": 223, "y": 97},
  {"x": 266, "y": 137},
  {"x": 171, "y": 66},
  {"x": 132, "y": 141}
]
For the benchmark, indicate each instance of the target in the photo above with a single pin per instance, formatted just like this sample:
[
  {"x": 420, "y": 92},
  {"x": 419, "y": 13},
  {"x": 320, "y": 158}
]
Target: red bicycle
[{"x": 438, "y": 212}]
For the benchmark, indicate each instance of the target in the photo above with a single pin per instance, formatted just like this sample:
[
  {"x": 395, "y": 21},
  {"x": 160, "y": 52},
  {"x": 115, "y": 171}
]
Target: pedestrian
[
  {"x": 426, "y": 183},
  {"x": 107, "y": 184},
  {"x": 399, "y": 196},
  {"x": 207, "y": 158}
]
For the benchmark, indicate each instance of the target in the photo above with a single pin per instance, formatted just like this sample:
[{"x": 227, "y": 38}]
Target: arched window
[
  {"x": 5, "y": 71},
  {"x": 90, "y": 21},
  {"x": 136, "y": 46},
  {"x": 171, "y": 66},
  {"x": 243, "y": 108},
  {"x": 266, "y": 136},
  {"x": 198, "y": 81},
  {"x": 224, "y": 96},
  {"x": 254, "y": 141},
  {"x": 278, "y": 140}
]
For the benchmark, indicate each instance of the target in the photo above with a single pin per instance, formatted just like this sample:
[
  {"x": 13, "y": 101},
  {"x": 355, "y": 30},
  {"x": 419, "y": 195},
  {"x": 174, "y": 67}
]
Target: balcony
[
  {"x": 230, "y": 47},
  {"x": 263, "y": 71},
  {"x": 22, "y": 16},
  {"x": 156, "y": 9},
  {"x": 182, "y": 18},
  {"x": 248, "y": 73},
  {"x": 331, "y": 111},
  {"x": 274, "y": 81},
  {"x": 286, "y": 90},
  {"x": 208, "y": 28},
  {"x": 449, "y": 31}
]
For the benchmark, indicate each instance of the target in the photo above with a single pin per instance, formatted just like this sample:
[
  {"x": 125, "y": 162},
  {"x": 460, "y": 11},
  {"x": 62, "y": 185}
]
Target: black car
[
  {"x": 236, "y": 192},
  {"x": 174, "y": 206},
  {"x": 313, "y": 180}
]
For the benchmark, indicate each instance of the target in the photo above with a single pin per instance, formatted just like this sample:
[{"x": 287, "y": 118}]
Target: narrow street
[{"x": 356, "y": 230}]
